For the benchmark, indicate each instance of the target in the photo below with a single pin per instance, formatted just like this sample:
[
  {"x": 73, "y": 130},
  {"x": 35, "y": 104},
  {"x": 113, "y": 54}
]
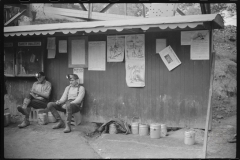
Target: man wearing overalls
[{"x": 70, "y": 103}]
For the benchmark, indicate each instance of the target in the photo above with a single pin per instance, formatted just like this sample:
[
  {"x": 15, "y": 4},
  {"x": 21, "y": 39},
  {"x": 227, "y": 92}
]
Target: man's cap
[
  {"x": 72, "y": 76},
  {"x": 39, "y": 74}
]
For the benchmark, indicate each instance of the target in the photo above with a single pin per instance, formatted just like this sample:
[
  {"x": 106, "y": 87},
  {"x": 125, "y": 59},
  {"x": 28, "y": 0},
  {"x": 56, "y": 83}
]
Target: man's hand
[
  {"x": 34, "y": 96},
  {"x": 57, "y": 102}
]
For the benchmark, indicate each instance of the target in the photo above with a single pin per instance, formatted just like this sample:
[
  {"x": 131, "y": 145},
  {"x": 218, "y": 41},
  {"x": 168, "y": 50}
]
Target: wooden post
[
  {"x": 144, "y": 14},
  {"x": 90, "y": 10},
  {"x": 209, "y": 100}
]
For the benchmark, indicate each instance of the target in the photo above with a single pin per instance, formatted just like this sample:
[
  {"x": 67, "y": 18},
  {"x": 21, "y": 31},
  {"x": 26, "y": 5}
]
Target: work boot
[
  {"x": 60, "y": 124},
  {"x": 68, "y": 123},
  {"x": 25, "y": 123},
  {"x": 68, "y": 127},
  {"x": 22, "y": 110}
]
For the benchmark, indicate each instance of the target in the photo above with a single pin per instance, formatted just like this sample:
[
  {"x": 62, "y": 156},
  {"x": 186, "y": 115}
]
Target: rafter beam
[
  {"x": 14, "y": 17},
  {"x": 83, "y": 7},
  {"x": 107, "y": 7},
  {"x": 180, "y": 12}
]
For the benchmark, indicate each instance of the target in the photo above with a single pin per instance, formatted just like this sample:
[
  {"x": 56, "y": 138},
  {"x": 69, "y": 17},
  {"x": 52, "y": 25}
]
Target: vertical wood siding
[{"x": 177, "y": 98}]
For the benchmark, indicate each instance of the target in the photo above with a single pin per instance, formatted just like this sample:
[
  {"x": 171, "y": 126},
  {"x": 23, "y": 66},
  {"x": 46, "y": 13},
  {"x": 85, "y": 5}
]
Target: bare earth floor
[{"x": 41, "y": 141}]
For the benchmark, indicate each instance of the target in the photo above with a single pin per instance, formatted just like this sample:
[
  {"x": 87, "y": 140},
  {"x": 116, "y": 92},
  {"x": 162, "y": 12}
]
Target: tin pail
[
  {"x": 42, "y": 118},
  {"x": 51, "y": 118},
  {"x": 6, "y": 119},
  {"x": 143, "y": 129},
  {"x": 155, "y": 130},
  {"x": 163, "y": 130},
  {"x": 112, "y": 129},
  {"x": 134, "y": 127},
  {"x": 189, "y": 137}
]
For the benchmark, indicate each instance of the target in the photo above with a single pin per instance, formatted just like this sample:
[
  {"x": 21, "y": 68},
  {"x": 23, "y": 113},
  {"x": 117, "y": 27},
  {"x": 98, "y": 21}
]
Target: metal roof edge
[{"x": 116, "y": 24}]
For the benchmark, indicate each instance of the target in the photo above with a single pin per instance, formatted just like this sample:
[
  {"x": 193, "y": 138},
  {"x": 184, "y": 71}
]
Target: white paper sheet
[
  {"x": 115, "y": 48},
  {"x": 78, "y": 51},
  {"x": 135, "y": 46},
  {"x": 80, "y": 73},
  {"x": 135, "y": 73},
  {"x": 160, "y": 45},
  {"x": 51, "y": 53},
  {"x": 62, "y": 46},
  {"x": 51, "y": 43},
  {"x": 200, "y": 46},
  {"x": 97, "y": 55},
  {"x": 169, "y": 58}
]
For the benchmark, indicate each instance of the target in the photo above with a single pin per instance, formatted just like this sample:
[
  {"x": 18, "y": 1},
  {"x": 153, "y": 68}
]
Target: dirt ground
[{"x": 40, "y": 141}]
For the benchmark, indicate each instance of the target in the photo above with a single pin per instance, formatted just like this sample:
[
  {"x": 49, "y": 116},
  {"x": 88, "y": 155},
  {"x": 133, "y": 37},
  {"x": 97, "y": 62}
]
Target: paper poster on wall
[
  {"x": 169, "y": 58},
  {"x": 160, "y": 45},
  {"x": 135, "y": 73},
  {"x": 135, "y": 46},
  {"x": 115, "y": 48},
  {"x": 78, "y": 51},
  {"x": 62, "y": 46},
  {"x": 51, "y": 43},
  {"x": 97, "y": 55},
  {"x": 79, "y": 72},
  {"x": 51, "y": 53},
  {"x": 200, "y": 46}
]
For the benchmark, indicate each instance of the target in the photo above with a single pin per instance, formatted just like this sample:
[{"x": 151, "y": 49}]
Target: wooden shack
[{"x": 177, "y": 97}]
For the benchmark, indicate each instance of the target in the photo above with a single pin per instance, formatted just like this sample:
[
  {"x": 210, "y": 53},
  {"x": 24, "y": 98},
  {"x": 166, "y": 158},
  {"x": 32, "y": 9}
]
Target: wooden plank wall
[{"x": 177, "y": 98}]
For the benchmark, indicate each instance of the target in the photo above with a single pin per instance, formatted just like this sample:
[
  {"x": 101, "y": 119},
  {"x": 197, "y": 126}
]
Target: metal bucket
[
  {"x": 6, "y": 119},
  {"x": 163, "y": 130},
  {"x": 155, "y": 130},
  {"x": 134, "y": 127},
  {"x": 42, "y": 118},
  {"x": 189, "y": 138},
  {"x": 112, "y": 129},
  {"x": 143, "y": 129},
  {"x": 51, "y": 118}
]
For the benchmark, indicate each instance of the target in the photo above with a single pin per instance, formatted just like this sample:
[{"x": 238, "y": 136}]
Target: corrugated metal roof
[{"x": 102, "y": 26}]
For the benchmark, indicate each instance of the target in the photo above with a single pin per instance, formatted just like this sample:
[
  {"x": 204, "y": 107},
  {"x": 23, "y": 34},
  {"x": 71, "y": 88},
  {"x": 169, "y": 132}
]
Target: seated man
[
  {"x": 37, "y": 98},
  {"x": 70, "y": 102}
]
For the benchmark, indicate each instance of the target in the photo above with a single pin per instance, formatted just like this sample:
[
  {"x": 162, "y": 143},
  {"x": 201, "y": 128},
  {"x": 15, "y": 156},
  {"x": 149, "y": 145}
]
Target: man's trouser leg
[
  {"x": 52, "y": 108},
  {"x": 25, "y": 111},
  {"x": 70, "y": 109},
  {"x": 30, "y": 102}
]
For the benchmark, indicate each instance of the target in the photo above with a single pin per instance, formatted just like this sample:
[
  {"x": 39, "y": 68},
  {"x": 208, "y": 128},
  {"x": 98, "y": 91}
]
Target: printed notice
[
  {"x": 97, "y": 55},
  {"x": 160, "y": 45},
  {"x": 78, "y": 52},
  {"x": 200, "y": 46},
  {"x": 79, "y": 72},
  {"x": 169, "y": 58},
  {"x": 51, "y": 43},
  {"x": 115, "y": 48},
  {"x": 51, "y": 53},
  {"x": 62, "y": 46}
]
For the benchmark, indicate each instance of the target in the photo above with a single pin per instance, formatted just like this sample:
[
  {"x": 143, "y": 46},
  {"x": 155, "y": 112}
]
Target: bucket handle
[{"x": 139, "y": 120}]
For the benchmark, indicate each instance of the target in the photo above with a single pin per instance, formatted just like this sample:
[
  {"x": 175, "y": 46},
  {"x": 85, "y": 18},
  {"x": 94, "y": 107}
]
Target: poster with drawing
[
  {"x": 115, "y": 48},
  {"x": 135, "y": 46},
  {"x": 135, "y": 73},
  {"x": 200, "y": 46},
  {"x": 79, "y": 72},
  {"x": 169, "y": 58}
]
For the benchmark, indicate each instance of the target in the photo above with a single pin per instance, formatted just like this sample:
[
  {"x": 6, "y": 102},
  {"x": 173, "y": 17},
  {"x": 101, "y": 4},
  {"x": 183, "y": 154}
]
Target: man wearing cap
[
  {"x": 37, "y": 98},
  {"x": 70, "y": 102}
]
